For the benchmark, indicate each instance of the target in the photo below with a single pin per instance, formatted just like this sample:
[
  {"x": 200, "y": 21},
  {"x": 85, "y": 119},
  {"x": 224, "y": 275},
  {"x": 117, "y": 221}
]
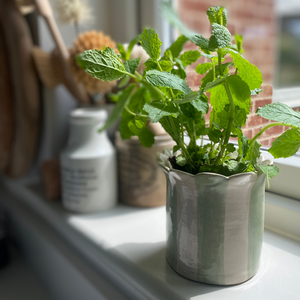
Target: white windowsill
[{"x": 127, "y": 246}]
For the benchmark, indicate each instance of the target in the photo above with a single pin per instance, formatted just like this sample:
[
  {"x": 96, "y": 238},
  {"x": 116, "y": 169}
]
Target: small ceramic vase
[{"x": 88, "y": 164}]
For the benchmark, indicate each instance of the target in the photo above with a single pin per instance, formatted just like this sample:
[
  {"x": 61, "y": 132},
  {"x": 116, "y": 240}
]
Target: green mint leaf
[
  {"x": 201, "y": 103},
  {"x": 145, "y": 136},
  {"x": 209, "y": 76},
  {"x": 131, "y": 65},
  {"x": 188, "y": 98},
  {"x": 217, "y": 14},
  {"x": 166, "y": 65},
  {"x": 215, "y": 135},
  {"x": 230, "y": 148},
  {"x": 122, "y": 51},
  {"x": 180, "y": 72},
  {"x": 203, "y": 68},
  {"x": 280, "y": 112},
  {"x": 248, "y": 72},
  {"x": 177, "y": 46},
  {"x": 239, "y": 43},
  {"x": 189, "y": 57},
  {"x": 117, "y": 112},
  {"x": 214, "y": 83},
  {"x": 210, "y": 56},
  {"x": 165, "y": 79},
  {"x": 243, "y": 143},
  {"x": 253, "y": 153},
  {"x": 287, "y": 144},
  {"x": 151, "y": 43},
  {"x": 131, "y": 45},
  {"x": 123, "y": 82},
  {"x": 181, "y": 160},
  {"x": 255, "y": 92},
  {"x": 156, "y": 110},
  {"x": 220, "y": 38},
  {"x": 104, "y": 65},
  {"x": 170, "y": 129},
  {"x": 227, "y": 169},
  {"x": 240, "y": 94},
  {"x": 270, "y": 171},
  {"x": 197, "y": 99},
  {"x": 200, "y": 41},
  {"x": 140, "y": 122},
  {"x": 150, "y": 64},
  {"x": 125, "y": 131}
]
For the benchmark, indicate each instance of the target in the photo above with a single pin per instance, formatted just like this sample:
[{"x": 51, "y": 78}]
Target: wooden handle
[{"x": 62, "y": 53}]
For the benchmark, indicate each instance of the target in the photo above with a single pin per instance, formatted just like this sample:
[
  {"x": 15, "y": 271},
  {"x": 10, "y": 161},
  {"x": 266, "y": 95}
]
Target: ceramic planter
[{"x": 214, "y": 225}]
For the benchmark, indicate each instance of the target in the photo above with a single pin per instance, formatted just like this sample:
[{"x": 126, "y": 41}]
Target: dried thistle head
[
  {"x": 73, "y": 11},
  {"x": 85, "y": 41}
]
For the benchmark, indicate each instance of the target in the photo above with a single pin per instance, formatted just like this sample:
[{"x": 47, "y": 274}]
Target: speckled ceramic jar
[{"x": 214, "y": 225}]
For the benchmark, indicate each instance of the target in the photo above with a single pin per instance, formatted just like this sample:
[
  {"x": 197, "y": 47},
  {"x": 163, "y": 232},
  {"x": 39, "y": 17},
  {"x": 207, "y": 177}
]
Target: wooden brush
[{"x": 62, "y": 55}]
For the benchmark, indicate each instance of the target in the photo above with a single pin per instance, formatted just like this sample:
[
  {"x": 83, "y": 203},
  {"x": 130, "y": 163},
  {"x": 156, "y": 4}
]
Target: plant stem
[
  {"x": 180, "y": 142},
  {"x": 220, "y": 61},
  {"x": 230, "y": 121},
  {"x": 264, "y": 129},
  {"x": 132, "y": 113}
]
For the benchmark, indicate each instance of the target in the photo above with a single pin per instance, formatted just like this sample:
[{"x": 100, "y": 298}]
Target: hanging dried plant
[{"x": 73, "y": 12}]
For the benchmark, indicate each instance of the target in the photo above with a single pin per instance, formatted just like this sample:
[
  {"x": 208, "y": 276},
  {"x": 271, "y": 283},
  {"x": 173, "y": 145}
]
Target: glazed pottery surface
[
  {"x": 215, "y": 225},
  {"x": 141, "y": 180}
]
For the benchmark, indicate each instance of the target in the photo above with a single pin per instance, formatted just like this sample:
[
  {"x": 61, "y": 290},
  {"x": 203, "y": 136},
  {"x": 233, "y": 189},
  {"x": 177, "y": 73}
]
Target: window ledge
[{"x": 126, "y": 245}]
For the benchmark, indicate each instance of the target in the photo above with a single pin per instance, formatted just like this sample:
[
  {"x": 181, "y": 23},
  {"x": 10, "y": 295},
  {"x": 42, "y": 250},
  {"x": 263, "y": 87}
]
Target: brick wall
[{"x": 255, "y": 20}]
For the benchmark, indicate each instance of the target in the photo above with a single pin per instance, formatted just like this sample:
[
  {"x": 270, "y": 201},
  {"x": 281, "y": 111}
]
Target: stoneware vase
[
  {"x": 214, "y": 225},
  {"x": 141, "y": 180}
]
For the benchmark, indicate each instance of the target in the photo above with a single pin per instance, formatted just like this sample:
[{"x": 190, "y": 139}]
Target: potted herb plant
[{"x": 215, "y": 191}]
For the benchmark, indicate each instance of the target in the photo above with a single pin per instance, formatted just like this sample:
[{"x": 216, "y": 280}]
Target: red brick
[
  {"x": 267, "y": 90},
  {"x": 248, "y": 133},
  {"x": 190, "y": 5},
  {"x": 296, "y": 108},
  {"x": 260, "y": 103},
  {"x": 274, "y": 130},
  {"x": 265, "y": 143},
  {"x": 255, "y": 120}
]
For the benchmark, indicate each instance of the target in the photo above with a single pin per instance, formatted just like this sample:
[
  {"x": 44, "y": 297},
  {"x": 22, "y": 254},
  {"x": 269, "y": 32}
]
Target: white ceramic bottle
[{"x": 88, "y": 164}]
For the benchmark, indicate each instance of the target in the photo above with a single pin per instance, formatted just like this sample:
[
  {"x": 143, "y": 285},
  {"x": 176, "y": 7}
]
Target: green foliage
[
  {"x": 151, "y": 43},
  {"x": 177, "y": 46},
  {"x": 162, "y": 95},
  {"x": 239, "y": 43},
  {"x": 104, "y": 64},
  {"x": 131, "y": 65},
  {"x": 248, "y": 72},
  {"x": 220, "y": 38},
  {"x": 287, "y": 144},
  {"x": 156, "y": 110},
  {"x": 203, "y": 68},
  {"x": 270, "y": 171},
  {"x": 189, "y": 57},
  {"x": 165, "y": 79},
  {"x": 280, "y": 112},
  {"x": 217, "y": 14}
]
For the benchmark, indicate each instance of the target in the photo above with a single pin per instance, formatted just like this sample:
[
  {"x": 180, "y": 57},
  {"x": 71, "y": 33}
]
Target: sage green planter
[{"x": 214, "y": 225}]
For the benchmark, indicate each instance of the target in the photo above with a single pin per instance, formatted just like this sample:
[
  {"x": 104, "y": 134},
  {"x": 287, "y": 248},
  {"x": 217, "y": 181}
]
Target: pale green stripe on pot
[
  {"x": 211, "y": 217},
  {"x": 171, "y": 207},
  {"x": 256, "y": 225}
]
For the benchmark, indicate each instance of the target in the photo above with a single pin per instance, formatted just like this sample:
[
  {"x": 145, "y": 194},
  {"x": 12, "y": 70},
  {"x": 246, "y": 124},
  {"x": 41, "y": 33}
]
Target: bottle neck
[{"x": 86, "y": 134}]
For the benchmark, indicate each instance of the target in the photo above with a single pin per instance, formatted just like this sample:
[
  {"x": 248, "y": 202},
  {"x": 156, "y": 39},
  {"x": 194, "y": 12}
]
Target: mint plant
[{"x": 162, "y": 95}]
